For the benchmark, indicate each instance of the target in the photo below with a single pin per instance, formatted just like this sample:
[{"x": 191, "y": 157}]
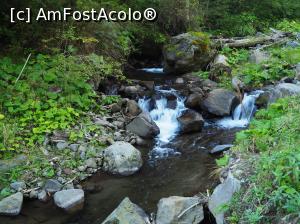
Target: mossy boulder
[{"x": 188, "y": 52}]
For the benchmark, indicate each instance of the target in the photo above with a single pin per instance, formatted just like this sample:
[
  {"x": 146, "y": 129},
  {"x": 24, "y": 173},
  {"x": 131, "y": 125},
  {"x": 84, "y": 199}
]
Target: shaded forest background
[{"x": 118, "y": 40}]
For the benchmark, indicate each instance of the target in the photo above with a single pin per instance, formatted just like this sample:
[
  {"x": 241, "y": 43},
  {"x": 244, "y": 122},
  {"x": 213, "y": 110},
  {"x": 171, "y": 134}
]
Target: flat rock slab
[
  {"x": 122, "y": 158},
  {"x": 12, "y": 205},
  {"x": 70, "y": 200},
  {"x": 222, "y": 196},
  {"x": 127, "y": 213},
  {"x": 220, "y": 148},
  {"x": 179, "y": 210}
]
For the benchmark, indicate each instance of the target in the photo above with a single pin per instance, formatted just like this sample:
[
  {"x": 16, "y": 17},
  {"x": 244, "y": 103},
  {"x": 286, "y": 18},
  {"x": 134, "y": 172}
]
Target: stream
[{"x": 174, "y": 164}]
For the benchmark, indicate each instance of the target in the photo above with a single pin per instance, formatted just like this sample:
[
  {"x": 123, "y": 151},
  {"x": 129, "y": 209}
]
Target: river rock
[
  {"x": 132, "y": 108},
  {"x": 194, "y": 101},
  {"x": 52, "y": 186},
  {"x": 70, "y": 200},
  {"x": 122, "y": 158},
  {"x": 127, "y": 213},
  {"x": 12, "y": 205},
  {"x": 220, "y": 148},
  {"x": 272, "y": 93},
  {"x": 220, "y": 102},
  {"x": 18, "y": 186},
  {"x": 91, "y": 163},
  {"x": 221, "y": 196},
  {"x": 6, "y": 165},
  {"x": 288, "y": 89},
  {"x": 143, "y": 126},
  {"x": 191, "y": 121},
  {"x": 258, "y": 56},
  {"x": 42, "y": 196},
  {"x": 170, "y": 210},
  {"x": 187, "y": 52}
]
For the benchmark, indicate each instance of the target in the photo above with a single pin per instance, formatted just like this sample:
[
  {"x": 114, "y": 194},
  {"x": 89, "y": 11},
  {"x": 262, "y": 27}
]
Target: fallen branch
[
  {"x": 23, "y": 68},
  {"x": 189, "y": 208},
  {"x": 274, "y": 38}
]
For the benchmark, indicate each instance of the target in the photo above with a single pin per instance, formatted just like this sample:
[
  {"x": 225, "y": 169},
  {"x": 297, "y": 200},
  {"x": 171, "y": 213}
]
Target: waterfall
[
  {"x": 166, "y": 120},
  {"x": 154, "y": 70},
  {"x": 242, "y": 114}
]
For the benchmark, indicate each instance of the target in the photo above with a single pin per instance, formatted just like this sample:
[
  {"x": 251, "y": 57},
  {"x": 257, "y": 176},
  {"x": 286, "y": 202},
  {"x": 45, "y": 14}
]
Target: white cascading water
[
  {"x": 166, "y": 120},
  {"x": 242, "y": 114},
  {"x": 154, "y": 70}
]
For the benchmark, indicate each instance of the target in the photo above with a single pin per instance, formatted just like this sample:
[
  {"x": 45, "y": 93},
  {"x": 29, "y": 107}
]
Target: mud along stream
[{"x": 174, "y": 164}]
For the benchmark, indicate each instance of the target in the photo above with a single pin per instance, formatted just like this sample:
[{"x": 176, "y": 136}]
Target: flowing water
[
  {"x": 166, "y": 119},
  {"x": 182, "y": 166},
  {"x": 242, "y": 114}
]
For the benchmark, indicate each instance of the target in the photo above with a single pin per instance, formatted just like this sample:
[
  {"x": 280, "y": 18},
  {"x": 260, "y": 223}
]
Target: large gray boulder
[
  {"x": 127, "y": 213},
  {"x": 190, "y": 121},
  {"x": 194, "y": 101},
  {"x": 222, "y": 196},
  {"x": 179, "y": 210},
  {"x": 122, "y": 158},
  {"x": 12, "y": 205},
  {"x": 143, "y": 126},
  {"x": 187, "y": 52},
  {"x": 70, "y": 200},
  {"x": 273, "y": 93},
  {"x": 220, "y": 102}
]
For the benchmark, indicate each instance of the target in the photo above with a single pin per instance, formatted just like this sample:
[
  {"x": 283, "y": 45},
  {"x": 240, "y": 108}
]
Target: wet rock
[
  {"x": 122, "y": 158},
  {"x": 287, "y": 80},
  {"x": 42, "y": 196},
  {"x": 221, "y": 196},
  {"x": 194, "y": 101},
  {"x": 132, "y": 91},
  {"x": 12, "y": 205},
  {"x": 257, "y": 56},
  {"x": 132, "y": 108},
  {"x": 187, "y": 52},
  {"x": 219, "y": 66},
  {"x": 220, "y": 102},
  {"x": 70, "y": 200},
  {"x": 220, "y": 148},
  {"x": 18, "y": 186},
  {"x": 191, "y": 121},
  {"x": 143, "y": 126},
  {"x": 126, "y": 213},
  {"x": 91, "y": 163},
  {"x": 52, "y": 186},
  {"x": 171, "y": 210}
]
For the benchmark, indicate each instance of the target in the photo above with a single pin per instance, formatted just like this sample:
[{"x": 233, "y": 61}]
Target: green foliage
[
  {"x": 274, "y": 188},
  {"x": 235, "y": 56},
  {"x": 223, "y": 162},
  {"x": 50, "y": 95},
  {"x": 289, "y": 26}
]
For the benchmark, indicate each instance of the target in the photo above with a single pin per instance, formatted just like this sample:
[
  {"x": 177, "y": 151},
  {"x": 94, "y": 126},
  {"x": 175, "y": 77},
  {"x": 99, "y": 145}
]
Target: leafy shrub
[
  {"x": 274, "y": 189},
  {"x": 51, "y": 94},
  {"x": 289, "y": 26}
]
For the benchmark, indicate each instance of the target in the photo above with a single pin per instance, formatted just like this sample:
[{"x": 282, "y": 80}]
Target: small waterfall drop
[
  {"x": 242, "y": 114},
  {"x": 166, "y": 119},
  {"x": 154, "y": 70}
]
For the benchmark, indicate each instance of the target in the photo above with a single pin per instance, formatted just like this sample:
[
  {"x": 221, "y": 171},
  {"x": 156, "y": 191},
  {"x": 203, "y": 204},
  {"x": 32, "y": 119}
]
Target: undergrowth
[{"x": 273, "y": 191}]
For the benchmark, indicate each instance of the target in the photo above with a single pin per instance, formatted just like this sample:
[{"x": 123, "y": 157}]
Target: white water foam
[
  {"x": 166, "y": 120},
  {"x": 242, "y": 114},
  {"x": 154, "y": 70}
]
